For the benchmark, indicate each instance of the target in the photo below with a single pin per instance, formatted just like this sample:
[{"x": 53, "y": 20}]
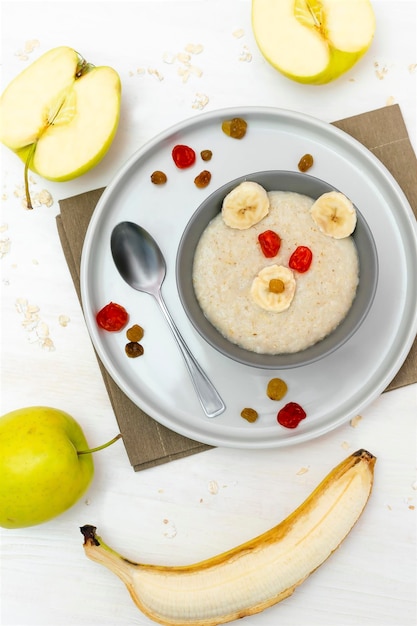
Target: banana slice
[
  {"x": 245, "y": 205},
  {"x": 334, "y": 214},
  {"x": 273, "y": 288}
]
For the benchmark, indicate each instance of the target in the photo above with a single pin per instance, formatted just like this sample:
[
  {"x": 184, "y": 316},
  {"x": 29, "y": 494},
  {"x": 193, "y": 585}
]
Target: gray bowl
[{"x": 282, "y": 181}]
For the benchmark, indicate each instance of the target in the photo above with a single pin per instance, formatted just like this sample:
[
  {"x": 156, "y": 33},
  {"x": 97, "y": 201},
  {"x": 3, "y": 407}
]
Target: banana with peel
[{"x": 257, "y": 574}]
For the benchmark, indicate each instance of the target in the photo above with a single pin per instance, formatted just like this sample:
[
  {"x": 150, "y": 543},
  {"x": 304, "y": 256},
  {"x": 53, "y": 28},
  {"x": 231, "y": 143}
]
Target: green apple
[
  {"x": 45, "y": 465},
  {"x": 313, "y": 41},
  {"x": 60, "y": 115}
]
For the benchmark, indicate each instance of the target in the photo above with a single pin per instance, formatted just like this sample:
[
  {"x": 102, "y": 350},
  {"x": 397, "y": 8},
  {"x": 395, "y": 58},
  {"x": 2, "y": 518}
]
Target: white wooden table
[{"x": 196, "y": 507}]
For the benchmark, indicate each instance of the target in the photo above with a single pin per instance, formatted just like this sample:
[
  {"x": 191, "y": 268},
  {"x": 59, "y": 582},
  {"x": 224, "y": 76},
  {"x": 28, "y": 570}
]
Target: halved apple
[
  {"x": 60, "y": 115},
  {"x": 313, "y": 41}
]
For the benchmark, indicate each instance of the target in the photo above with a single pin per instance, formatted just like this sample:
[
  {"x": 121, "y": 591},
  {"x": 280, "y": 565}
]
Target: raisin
[
  {"x": 235, "y": 127},
  {"x": 134, "y": 349},
  {"x": 135, "y": 333},
  {"x": 249, "y": 414},
  {"x": 305, "y": 162},
  {"x": 276, "y": 389},
  {"x": 276, "y": 285},
  {"x": 158, "y": 178},
  {"x": 206, "y": 155},
  {"x": 203, "y": 179}
]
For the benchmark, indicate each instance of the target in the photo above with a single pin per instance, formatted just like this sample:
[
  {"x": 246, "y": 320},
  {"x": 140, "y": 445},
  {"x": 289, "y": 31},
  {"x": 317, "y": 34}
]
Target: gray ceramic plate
[
  {"x": 331, "y": 390},
  {"x": 283, "y": 181}
]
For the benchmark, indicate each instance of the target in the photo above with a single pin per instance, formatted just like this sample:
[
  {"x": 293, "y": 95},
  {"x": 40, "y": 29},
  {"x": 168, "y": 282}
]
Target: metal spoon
[{"x": 140, "y": 262}]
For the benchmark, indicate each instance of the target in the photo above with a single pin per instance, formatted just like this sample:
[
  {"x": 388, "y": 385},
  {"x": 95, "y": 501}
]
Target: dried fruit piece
[
  {"x": 276, "y": 389},
  {"x": 270, "y": 243},
  {"x": 112, "y": 317},
  {"x": 291, "y": 415},
  {"x": 134, "y": 349},
  {"x": 301, "y": 259},
  {"x": 203, "y": 179},
  {"x": 235, "y": 127},
  {"x": 183, "y": 156},
  {"x": 249, "y": 414},
  {"x": 276, "y": 285},
  {"x": 206, "y": 155},
  {"x": 135, "y": 333},
  {"x": 158, "y": 177},
  {"x": 305, "y": 163}
]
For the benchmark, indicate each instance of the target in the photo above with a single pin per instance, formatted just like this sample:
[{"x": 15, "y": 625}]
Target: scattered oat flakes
[
  {"x": 238, "y": 33},
  {"x": 5, "y": 245},
  {"x": 355, "y": 421},
  {"x": 41, "y": 198},
  {"x": 412, "y": 68},
  {"x": 213, "y": 487},
  {"x": 345, "y": 445},
  {"x": 37, "y": 330},
  {"x": 3, "y": 228},
  {"x": 380, "y": 71},
  {"x": 200, "y": 101},
  {"x": 245, "y": 55},
  {"x": 29, "y": 47},
  {"x": 155, "y": 73},
  {"x": 194, "y": 48},
  {"x": 183, "y": 57},
  {"x": 63, "y": 320},
  {"x": 169, "y": 57},
  {"x": 414, "y": 486},
  {"x": 390, "y": 101},
  {"x": 389, "y": 507},
  {"x": 302, "y": 470}
]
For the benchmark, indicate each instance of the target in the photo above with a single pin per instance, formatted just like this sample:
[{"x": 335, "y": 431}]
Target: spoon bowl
[{"x": 141, "y": 264}]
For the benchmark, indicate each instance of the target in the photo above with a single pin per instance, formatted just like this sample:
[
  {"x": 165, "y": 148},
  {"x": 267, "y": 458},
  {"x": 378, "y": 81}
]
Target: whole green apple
[
  {"x": 45, "y": 465},
  {"x": 60, "y": 115},
  {"x": 313, "y": 41}
]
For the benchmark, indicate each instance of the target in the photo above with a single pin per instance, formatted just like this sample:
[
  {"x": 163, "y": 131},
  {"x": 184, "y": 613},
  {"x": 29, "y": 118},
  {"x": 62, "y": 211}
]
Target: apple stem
[
  {"x": 104, "y": 445},
  {"x": 26, "y": 175}
]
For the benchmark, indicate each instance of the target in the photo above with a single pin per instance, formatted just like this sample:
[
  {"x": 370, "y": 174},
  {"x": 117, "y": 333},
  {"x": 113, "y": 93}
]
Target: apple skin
[
  {"x": 339, "y": 63},
  {"x": 266, "y": 25},
  {"x": 41, "y": 474}
]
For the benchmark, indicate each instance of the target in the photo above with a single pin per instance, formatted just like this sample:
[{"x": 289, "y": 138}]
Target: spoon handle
[{"x": 209, "y": 398}]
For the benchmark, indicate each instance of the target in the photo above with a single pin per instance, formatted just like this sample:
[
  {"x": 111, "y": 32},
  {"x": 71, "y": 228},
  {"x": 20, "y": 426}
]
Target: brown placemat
[{"x": 147, "y": 442}]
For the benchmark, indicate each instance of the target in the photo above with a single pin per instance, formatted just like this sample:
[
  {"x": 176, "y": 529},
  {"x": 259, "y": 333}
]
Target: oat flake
[
  {"x": 213, "y": 487},
  {"x": 355, "y": 421},
  {"x": 63, "y": 320},
  {"x": 200, "y": 101},
  {"x": 238, "y": 33}
]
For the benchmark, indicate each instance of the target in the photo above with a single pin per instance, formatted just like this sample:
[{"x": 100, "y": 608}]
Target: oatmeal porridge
[{"x": 227, "y": 261}]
